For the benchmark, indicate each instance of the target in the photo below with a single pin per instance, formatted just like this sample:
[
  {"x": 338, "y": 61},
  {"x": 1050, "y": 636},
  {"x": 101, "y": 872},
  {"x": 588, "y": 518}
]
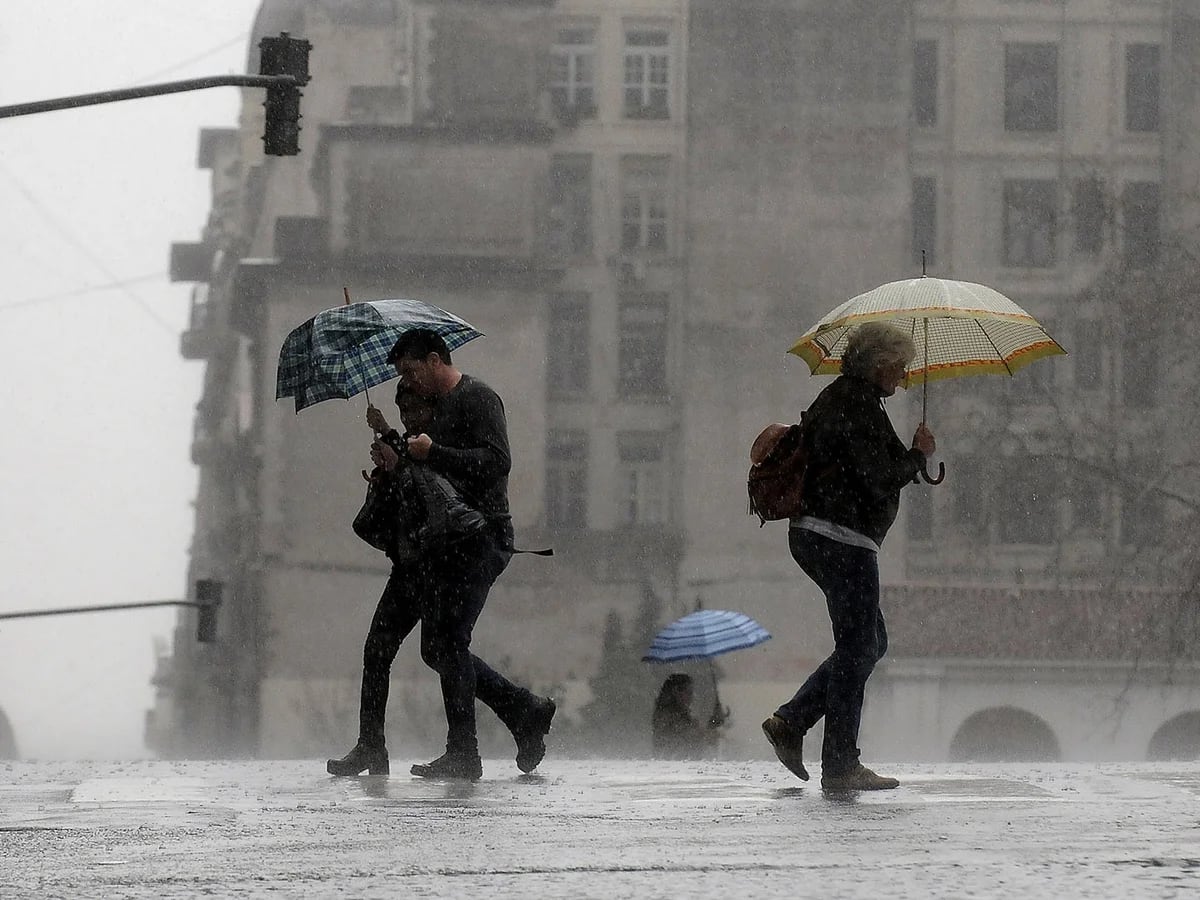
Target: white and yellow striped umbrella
[{"x": 959, "y": 329}]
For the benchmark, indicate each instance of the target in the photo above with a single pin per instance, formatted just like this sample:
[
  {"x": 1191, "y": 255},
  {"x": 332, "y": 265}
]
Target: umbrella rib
[{"x": 999, "y": 355}]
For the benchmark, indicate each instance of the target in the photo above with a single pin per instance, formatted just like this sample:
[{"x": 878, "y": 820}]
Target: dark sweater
[
  {"x": 470, "y": 445},
  {"x": 857, "y": 464}
]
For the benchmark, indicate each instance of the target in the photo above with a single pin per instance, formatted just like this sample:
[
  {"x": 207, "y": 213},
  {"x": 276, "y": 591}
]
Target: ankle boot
[
  {"x": 788, "y": 744},
  {"x": 451, "y": 765},
  {"x": 531, "y": 735},
  {"x": 362, "y": 757},
  {"x": 860, "y": 778}
]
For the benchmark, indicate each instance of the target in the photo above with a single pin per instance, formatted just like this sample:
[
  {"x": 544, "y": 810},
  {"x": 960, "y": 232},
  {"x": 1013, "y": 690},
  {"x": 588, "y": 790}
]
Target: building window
[
  {"x": 647, "y": 73},
  {"x": 644, "y": 203},
  {"x": 920, "y": 514},
  {"x": 924, "y": 220},
  {"x": 573, "y": 73},
  {"x": 1089, "y": 210},
  {"x": 1034, "y": 384},
  {"x": 1143, "y": 223},
  {"x": 566, "y": 479},
  {"x": 1028, "y": 503},
  {"x": 1030, "y": 223},
  {"x": 643, "y": 478},
  {"x": 1030, "y": 87},
  {"x": 1087, "y": 355},
  {"x": 970, "y": 495},
  {"x": 570, "y": 232},
  {"x": 1142, "y": 517},
  {"x": 643, "y": 346},
  {"x": 1139, "y": 369},
  {"x": 925, "y": 83},
  {"x": 838, "y": 71},
  {"x": 1086, "y": 504},
  {"x": 568, "y": 346},
  {"x": 1142, "y": 87}
]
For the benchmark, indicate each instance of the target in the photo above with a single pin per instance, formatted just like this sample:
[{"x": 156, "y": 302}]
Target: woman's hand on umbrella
[
  {"x": 384, "y": 456},
  {"x": 923, "y": 440},
  {"x": 376, "y": 420},
  {"x": 418, "y": 447}
]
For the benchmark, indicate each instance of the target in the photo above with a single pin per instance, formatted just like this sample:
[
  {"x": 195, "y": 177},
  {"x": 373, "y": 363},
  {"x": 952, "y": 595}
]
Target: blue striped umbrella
[
  {"x": 704, "y": 634},
  {"x": 343, "y": 351}
]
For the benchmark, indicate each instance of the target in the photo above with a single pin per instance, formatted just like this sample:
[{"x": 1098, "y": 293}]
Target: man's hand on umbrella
[
  {"x": 923, "y": 440},
  {"x": 384, "y": 456},
  {"x": 418, "y": 447},
  {"x": 376, "y": 420}
]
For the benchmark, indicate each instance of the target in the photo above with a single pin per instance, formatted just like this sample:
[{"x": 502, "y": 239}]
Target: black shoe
[
  {"x": 788, "y": 744},
  {"x": 531, "y": 736},
  {"x": 372, "y": 759},
  {"x": 451, "y": 765}
]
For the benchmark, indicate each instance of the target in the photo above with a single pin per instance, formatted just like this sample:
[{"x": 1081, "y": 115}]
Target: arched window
[
  {"x": 1178, "y": 738},
  {"x": 1004, "y": 734}
]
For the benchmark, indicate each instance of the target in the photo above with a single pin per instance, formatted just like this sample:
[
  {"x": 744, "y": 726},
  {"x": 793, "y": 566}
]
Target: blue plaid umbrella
[
  {"x": 704, "y": 634},
  {"x": 343, "y": 351}
]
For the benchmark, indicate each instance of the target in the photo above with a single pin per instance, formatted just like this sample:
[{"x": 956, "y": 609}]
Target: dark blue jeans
[
  {"x": 849, "y": 578},
  {"x": 444, "y": 591}
]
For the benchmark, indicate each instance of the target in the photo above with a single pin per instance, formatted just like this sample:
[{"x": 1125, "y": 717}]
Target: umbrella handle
[{"x": 941, "y": 475}]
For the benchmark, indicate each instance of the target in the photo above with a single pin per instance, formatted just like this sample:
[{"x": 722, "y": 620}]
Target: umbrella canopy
[
  {"x": 959, "y": 328},
  {"x": 704, "y": 634},
  {"x": 341, "y": 352}
]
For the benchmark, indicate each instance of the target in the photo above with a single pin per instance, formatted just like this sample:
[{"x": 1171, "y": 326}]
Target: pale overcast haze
[{"x": 97, "y": 403}]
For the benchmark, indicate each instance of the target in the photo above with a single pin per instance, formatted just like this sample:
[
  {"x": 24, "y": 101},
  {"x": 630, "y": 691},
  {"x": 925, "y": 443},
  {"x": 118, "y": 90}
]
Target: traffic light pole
[
  {"x": 282, "y": 70},
  {"x": 208, "y": 599},
  {"x": 69, "y": 610},
  {"x": 149, "y": 90}
]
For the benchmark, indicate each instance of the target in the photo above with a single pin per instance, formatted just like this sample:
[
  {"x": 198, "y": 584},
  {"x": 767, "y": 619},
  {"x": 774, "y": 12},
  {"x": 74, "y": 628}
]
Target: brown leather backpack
[{"x": 778, "y": 458}]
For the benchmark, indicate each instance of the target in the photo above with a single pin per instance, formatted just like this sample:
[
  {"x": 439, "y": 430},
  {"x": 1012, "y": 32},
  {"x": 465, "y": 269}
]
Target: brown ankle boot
[{"x": 860, "y": 778}]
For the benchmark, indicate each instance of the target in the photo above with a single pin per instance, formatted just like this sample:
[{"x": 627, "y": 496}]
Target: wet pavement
[{"x": 596, "y": 829}]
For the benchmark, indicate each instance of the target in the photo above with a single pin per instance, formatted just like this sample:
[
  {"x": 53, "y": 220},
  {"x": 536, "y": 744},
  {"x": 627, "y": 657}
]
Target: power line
[
  {"x": 192, "y": 59},
  {"x": 83, "y": 248},
  {"x": 78, "y": 292},
  {"x": 115, "y": 283}
]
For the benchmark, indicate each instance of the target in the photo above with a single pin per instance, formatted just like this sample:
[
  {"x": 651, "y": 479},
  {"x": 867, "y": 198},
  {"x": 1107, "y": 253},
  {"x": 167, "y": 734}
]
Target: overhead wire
[
  {"x": 80, "y": 245},
  {"x": 78, "y": 292},
  {"x": 192, "y": 59},
  {"x": 116, "y": 282}
]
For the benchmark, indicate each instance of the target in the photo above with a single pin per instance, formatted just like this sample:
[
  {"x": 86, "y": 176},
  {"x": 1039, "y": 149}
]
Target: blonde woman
[{"x": 856, "y": 469}]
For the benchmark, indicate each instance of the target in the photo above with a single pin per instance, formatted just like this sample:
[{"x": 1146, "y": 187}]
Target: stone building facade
[{"x": 642, "y": 204}]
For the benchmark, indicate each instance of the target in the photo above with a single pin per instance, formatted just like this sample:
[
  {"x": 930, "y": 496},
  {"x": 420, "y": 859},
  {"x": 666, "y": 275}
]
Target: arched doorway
[
  {"x": 1177, "y": 738},
  {"x": 8, "y": 740},
  {"x": 1004, "y": 734}
]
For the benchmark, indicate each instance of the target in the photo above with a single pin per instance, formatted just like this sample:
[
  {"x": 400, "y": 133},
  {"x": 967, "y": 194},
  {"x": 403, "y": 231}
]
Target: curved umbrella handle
[{"x": 941, "y": 475}]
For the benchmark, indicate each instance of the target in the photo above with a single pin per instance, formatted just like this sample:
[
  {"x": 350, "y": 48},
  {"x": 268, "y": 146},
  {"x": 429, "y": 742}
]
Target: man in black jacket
[
  {"x": 856, "y": 469},
  {"x": 446, "y": 588}
]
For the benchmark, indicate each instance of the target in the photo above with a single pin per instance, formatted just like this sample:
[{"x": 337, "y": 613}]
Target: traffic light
[
  {"x": 283, "y": 55},
  {"x": 208, "y": 598}
]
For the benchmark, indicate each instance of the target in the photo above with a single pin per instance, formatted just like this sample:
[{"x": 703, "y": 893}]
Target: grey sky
[{"x": 97, "y": 402}]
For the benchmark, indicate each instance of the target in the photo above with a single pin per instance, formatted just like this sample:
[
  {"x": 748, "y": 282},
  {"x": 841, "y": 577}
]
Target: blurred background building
[{"x": 642, "y": 204}]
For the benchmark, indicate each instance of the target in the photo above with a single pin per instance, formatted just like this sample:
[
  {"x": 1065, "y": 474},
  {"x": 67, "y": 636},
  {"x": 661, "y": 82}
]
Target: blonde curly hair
[{"x": 875, "y": 344}]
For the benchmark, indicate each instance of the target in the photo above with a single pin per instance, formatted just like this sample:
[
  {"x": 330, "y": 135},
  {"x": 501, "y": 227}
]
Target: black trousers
[
  {"x": 849, "y": 578},
  {"x": 445, "y": 591}
]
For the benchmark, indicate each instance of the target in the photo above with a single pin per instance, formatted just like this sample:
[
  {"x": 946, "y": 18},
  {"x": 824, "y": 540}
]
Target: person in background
[
  {"x": 676, "y": 733},
  {"x": 857, "y": 466}
]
